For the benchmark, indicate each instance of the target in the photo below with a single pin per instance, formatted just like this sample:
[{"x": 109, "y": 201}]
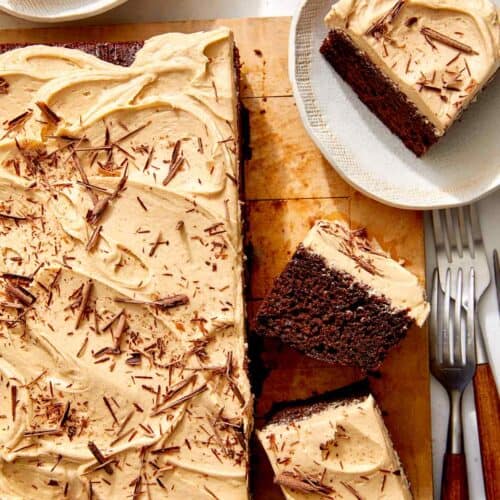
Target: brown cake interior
[
  {"x": 379, "y": 93},
  {"x": 328, "y": 315}
]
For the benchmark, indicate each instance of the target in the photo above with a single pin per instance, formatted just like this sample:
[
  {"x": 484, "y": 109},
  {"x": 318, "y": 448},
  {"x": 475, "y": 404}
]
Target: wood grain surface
[{"x": 288, "y": 185}]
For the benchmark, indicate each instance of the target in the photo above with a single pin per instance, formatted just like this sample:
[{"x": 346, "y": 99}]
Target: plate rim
[
  {"x": 387, "y": 200},
  {"x": 110, "y": 4}
]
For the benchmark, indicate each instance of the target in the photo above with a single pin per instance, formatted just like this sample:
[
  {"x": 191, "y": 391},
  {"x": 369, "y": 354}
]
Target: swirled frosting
[
  {"x": 122, "y": 347},
  {"x": 351, "y": 252},
  {"x": 341, "y": 450},
  {"x": 440, "y": 53}
]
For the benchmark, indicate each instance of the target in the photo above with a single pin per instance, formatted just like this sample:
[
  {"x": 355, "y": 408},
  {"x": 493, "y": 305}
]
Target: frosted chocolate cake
[
  {"x": 122, "y": 344},
  {"x": 416, "y": 64},
  {"x": 342, "y": 299},
  {"x": 334, "y": 446}
]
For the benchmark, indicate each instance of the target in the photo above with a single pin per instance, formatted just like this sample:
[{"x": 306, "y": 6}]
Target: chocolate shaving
[
  {"x": 446, "y": 40},
  {"x": 65, "y": 416},
  {"x": 99, "y": 457},
  {"x": 110, "y": 409},
  {"x": 13, "y": 397},
  {"x": 125, "y": 422},
  {"x": 165, "y": 303},
  {"x": 94, "y": 215},
  {"x": 183, "y": 399},
  {"x": 118, "y": 333},
  {"x": 80, "y": 352},
  {"x": 13, "y": 217},
  {"x": 132, "y": 132},
  {"x": 232, "y": 383},
  {"x": 94, "y": 238},
  {"x": 134, "y": 359},
  {"x": 351, "y": 490},
  {"x": 302, "y": 483},
  {"x": 174, "y": 167},
  {"x": 112, "y": 320},
  {"x": 87, "y": 287},
  {"x": 137, "y": 488},
  {"x": 42, "y": 432},
  {"x": 155, "y": 245},
  {"x": 148, "y": 158},
  {"x": 169, "y": 449},
  {"x": 141, "y": 203},
  {"x": 380, "y": 26},
  {"x": 19, "y": 119},
  {"x": 14, "y": 276},
  {"x": 48, "y": 113},
  {"x": 121, "y": 183},
  {"x": 84, "y": 178},
  {"x": 20, "y": 293}
]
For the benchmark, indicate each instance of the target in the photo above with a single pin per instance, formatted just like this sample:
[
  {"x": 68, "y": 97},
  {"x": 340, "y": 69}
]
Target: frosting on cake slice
[
  {"x": 333, "y": 448},
  {"x": 342, "y": 299}
]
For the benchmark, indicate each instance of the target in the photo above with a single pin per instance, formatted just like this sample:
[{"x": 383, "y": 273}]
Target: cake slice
[
  {"x": 416, "y": 65},
  {"x": 342, "y": 299},
  {"x": 334, "y": 446}
]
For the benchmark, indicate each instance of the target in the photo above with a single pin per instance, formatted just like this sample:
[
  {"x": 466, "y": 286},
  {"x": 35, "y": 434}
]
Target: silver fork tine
[
  {"x": 462, "y": 230},
  {"x": 435, "y": 356},
  {"x": 447, "y": 323},
  {"x": 439, "y": 233},
  {"x": 470, "y": 345},
  {"x": 450, "y": 229},
  {"x": 475, "y": 228},
  {"x": 457, "y": 331}
]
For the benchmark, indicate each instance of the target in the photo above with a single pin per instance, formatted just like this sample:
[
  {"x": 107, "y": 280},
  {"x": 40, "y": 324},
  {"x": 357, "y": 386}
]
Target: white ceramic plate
[
  {"x": 51, "y": 11},
  {"x": 462, "y": 167}
]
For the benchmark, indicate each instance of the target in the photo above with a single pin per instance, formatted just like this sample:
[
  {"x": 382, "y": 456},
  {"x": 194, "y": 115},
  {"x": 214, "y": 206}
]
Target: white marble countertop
[{"x": 489, "y": 208}]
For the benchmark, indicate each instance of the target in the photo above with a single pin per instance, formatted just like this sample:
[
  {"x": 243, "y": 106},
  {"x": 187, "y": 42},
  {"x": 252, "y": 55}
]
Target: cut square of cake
[
  {"x": 342, "y": 299},
  {"x": 122, "y": 339},
  {"x": 334, "y": 446},
  {"x": 416, "y": 64}
]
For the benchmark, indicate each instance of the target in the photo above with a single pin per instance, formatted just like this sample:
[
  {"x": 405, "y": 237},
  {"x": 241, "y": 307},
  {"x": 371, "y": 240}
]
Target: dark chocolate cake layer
[
  {"x": 290, "y": 411},
  {"x": 379, "y": 93},
  {"x": 329, "y": 316},
  {"x": 121, "y": 53}
]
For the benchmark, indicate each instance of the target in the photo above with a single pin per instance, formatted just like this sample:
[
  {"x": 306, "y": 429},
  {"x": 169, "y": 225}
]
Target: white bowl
[{"x": 51, "y": 11}]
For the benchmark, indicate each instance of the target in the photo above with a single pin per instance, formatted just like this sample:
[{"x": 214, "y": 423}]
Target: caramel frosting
[
  {"x": 440, "y": 53},
  {"x": 341, "y": 450},
  {"x": 122, "y": 343},
  {"x": 351, "y": 252}
]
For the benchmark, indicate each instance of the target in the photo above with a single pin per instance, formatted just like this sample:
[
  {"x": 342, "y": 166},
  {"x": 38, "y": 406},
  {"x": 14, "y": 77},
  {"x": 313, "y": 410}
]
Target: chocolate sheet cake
[
  {"x": 416, "y": 65},
  {"x": 342, "y": 299},
  {"x": 334, "y": 446},
  {"x": 122, "y": 345}
]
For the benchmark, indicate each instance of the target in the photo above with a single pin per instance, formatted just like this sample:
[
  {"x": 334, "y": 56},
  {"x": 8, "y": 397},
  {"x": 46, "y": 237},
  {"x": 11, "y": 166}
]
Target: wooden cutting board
[{"x": 288, "y": 185}]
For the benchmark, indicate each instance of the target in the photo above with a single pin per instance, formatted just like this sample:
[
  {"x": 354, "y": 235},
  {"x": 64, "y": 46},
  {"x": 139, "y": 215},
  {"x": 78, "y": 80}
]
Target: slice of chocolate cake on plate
[
  {"x": 342, "y": 299},
  {"x": 334, "y": 446},
  {"x": 416, "y": 64}
]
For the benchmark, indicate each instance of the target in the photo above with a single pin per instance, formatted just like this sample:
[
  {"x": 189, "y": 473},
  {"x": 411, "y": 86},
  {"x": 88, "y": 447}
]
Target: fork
[
  {"x": 453, "y": 362},
  {"x": 459, "y": 243}
]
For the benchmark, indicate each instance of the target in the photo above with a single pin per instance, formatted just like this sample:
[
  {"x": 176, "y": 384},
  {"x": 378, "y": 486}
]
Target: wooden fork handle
[
  {"x": 488, "y": 422},
  {"x": 454, "y": 483}
]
